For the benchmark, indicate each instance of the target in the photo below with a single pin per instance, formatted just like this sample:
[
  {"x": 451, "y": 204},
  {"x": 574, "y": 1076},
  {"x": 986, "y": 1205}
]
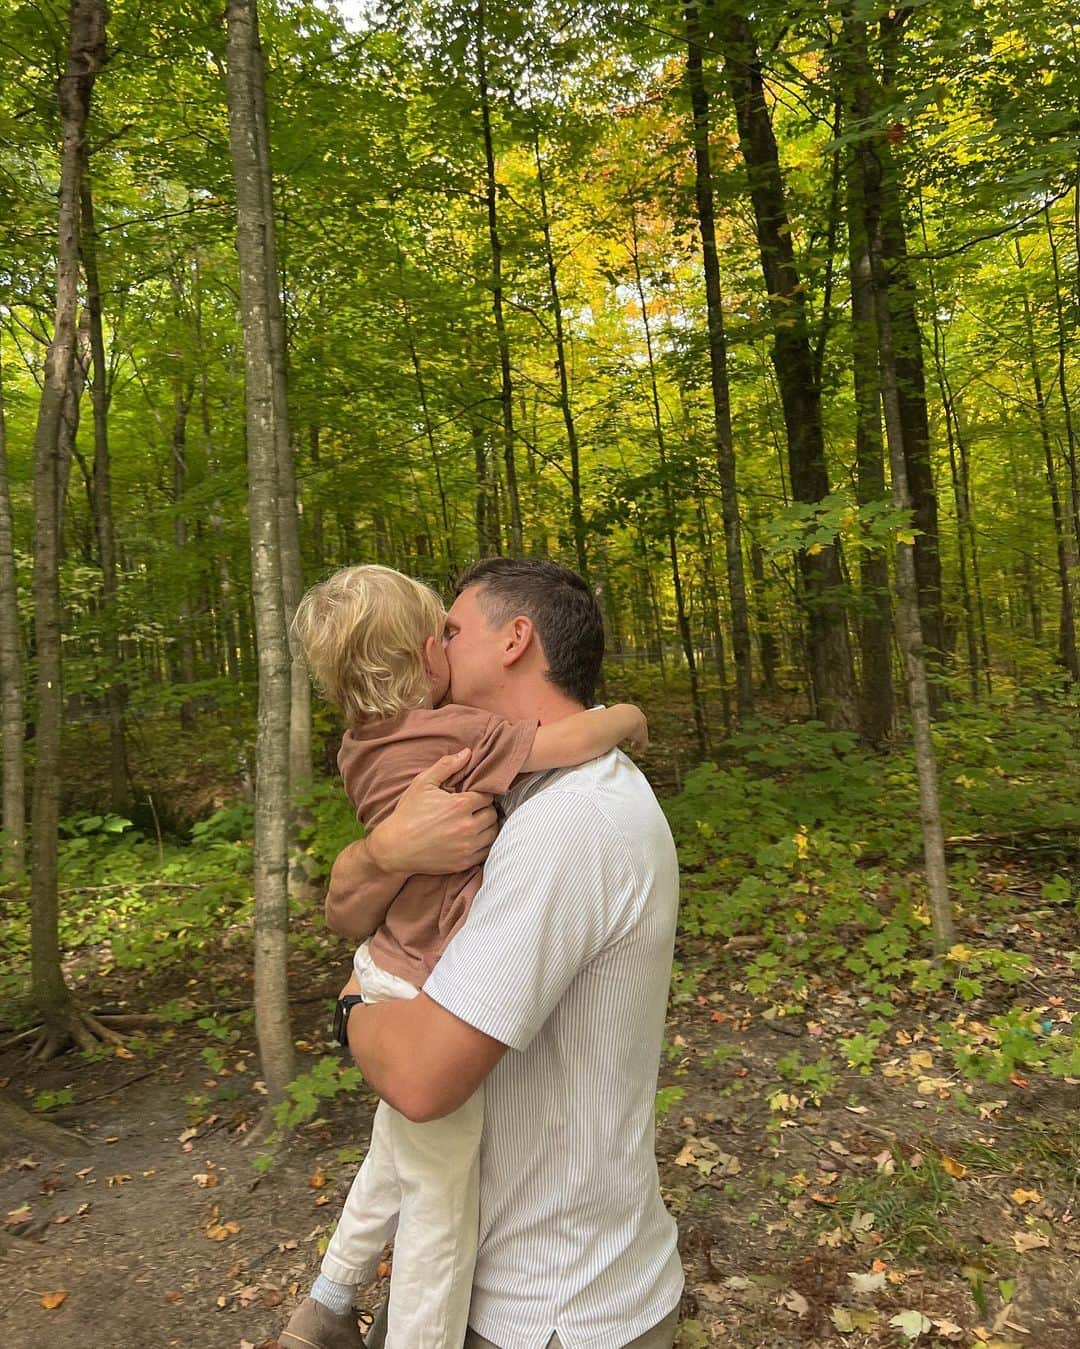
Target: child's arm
[{"x": 585, "y": 735}]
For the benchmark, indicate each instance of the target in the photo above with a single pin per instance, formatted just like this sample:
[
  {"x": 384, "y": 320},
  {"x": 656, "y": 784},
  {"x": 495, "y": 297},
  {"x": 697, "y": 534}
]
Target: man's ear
[{"x": 518, "y": 640}]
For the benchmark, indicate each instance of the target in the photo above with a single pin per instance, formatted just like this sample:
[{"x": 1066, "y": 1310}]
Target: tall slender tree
[
  {"x": 12, "y": 765},
  {"x": 718, "y": 371},
  {"x": 62, "y": 1023},
  {"x": 255, "y": 253},
  {"x": 831, "y": 670}
]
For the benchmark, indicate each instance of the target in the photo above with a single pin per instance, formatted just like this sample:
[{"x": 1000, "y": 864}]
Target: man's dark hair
[{"x": 563, "y": 610}]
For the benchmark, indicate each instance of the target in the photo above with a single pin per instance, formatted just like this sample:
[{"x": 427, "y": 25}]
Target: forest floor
[{"x": 836, "y": 1180}]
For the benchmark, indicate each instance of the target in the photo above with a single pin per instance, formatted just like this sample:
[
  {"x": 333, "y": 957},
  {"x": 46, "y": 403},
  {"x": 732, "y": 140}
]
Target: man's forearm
[
  {"x": 419, "y": 1058},
  {"x": 360, "y": 892}
]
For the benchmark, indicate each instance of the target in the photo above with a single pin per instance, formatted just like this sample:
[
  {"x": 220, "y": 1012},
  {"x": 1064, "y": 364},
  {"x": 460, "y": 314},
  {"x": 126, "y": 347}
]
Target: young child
[{"x": 373, "y": 639}]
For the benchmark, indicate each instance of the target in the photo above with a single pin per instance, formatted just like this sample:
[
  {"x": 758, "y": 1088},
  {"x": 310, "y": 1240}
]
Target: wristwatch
[{"x": 341, "y": 1017}]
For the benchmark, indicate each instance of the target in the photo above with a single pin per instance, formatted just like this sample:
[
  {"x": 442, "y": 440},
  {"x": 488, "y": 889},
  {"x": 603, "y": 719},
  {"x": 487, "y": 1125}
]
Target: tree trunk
[
  {"x": 272, "y": 742},
  {"x": 908, "y": 619},
  {"x": 115, "y": 696},
  {"x": 86, "y": 53},
  {"x": 185, "y": 642},
  {"x": 1063, "y": 384},
  {"x": 292, "y": 571},
  {"x": 1067, "y": 645},
  {"x": 876, "y": 701},
  {"x": 669, "y": 511},
  {"x": 718, "y": 372},
  {"x": 506, "y": 390},
  {"x": 577, "y": 516},
  {"x": 829, "y": 650},
  {"x": 883, "y": 188},
  {"x": 12, "y": 764}
]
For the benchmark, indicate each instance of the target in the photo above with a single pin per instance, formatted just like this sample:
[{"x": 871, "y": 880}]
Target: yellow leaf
[
  {"x": 1022, "y": 1197},
  {"x": 955, "y": 1169},
  {"x": 53, "y": 1300},
  {"x": 814, "y": 549},
  {"x": 317, "y": 1179},
  {"x": 205, "y": 1179}
]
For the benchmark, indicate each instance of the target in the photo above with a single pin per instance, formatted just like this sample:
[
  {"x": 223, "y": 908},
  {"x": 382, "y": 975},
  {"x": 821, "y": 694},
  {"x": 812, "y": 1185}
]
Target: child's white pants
[{"x": 418, "y": 1186}]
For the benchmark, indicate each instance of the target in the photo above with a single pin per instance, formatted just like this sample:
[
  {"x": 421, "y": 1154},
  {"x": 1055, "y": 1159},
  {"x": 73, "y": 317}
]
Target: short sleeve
[
  {"x": 559, "y": 887},
  {"x": 499, "y": 752}
]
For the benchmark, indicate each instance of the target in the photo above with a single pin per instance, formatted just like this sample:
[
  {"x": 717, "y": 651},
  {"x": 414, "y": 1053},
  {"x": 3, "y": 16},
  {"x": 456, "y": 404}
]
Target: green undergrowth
[
  {"x": 130, "y": 900},
  {"x": 804, "y": 852}
]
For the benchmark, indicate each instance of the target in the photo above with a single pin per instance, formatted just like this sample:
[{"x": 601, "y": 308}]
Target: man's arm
[
  {"x": 420, "y": 1058},
  {"x": 430, "y": 831}
]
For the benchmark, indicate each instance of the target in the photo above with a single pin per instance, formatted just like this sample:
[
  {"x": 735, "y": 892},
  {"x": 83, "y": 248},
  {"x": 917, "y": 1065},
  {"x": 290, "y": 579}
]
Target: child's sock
[{"x": 336, "y": 1297}]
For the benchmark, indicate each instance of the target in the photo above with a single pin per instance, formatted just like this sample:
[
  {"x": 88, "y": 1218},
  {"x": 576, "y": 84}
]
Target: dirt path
[{"x": 904, "y": 1193}]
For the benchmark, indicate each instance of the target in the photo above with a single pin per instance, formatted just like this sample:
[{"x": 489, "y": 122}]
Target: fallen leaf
[
  {"x": 794, "y": 1302},
  {"x": 848, "y": 1319},
  {"x": 867, "y": 1283},
  {"x": 220, "y": 1231},
  {"x": 1022, "y": 1197},
  {"x": 119, "y": 1179},
  {"x": 317, "y": 1179},
  {"x": 1029, "y": 1241},
  {"x": 911, "y": 1324},
  {"x": 737, "y": 1282},
  {"x": 53, "y": 1300},
  {"x": 205, "y": 1179},
  {"x": 955, "y": 1169},
  {"x": 26, "y": 1164},
  {"x": 948, "y": 1330}
]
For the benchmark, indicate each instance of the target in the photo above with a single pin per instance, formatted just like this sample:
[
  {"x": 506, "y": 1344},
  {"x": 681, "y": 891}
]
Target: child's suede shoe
[{"x": 313, "y": 1326}]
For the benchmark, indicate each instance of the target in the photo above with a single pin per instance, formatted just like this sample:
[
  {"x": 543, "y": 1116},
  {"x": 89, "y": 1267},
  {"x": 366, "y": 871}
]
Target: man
[{"x": 553, "y": 992}]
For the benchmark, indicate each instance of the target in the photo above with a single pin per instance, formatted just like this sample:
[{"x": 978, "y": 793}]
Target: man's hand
[
  {"x": 433, "y": 831},
  {"x": 429, "y": 831}
]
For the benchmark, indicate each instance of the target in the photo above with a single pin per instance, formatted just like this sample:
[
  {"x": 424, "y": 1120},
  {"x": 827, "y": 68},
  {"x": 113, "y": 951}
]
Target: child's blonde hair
[{"x": 363, "y": 632}]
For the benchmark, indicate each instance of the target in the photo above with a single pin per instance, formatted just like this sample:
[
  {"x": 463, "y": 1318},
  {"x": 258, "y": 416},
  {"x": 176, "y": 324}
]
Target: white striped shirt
[{"x": 566, "y": 958}]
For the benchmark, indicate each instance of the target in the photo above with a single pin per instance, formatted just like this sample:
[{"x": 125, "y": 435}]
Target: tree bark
[
  {"x": 1068, "y": 651},
  {"x": 102, "y": 503},
  {"x": 506, "y": 389},
  {"x": 718, "y": 371},
  {"x": 49, "y": 993},
  {"x": 669, "y": 510},
  {"x": 831, "y": 671},
  {"x": 908, "y": 618},
  {"x": 876, "y": 699},
  {"x": 577, "y": 515},
  {"x": 12, "y": 763},
  {"x": 292, "y": 571},
  {"x": 255, "y": 253},
  {"x": 883, "y": 185}
]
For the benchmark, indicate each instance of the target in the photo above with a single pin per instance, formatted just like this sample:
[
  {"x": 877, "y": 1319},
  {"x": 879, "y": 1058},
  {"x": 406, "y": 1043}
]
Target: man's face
[{"x": 473, "y": 650}]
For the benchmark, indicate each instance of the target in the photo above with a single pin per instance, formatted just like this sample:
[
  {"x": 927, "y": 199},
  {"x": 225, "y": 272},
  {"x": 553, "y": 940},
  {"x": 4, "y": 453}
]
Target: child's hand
[{"x": 638, "y": 738}]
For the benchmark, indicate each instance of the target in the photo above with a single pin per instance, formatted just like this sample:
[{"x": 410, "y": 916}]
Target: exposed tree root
[
  {"x": 39, "y": 1133},
  {"x": 72, "y": 1028}
]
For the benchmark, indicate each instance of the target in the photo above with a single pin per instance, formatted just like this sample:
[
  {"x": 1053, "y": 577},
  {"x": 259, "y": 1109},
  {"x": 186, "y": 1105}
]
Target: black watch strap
[{"x": 341, "y": 1017}]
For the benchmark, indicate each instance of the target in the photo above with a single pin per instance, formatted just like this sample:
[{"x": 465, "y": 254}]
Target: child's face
[{"x": 438, "y": 669}]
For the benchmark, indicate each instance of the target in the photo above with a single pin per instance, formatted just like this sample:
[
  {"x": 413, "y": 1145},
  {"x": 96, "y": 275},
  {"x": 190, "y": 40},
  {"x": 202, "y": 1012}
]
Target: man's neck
[{"x": 543, "y": 704}]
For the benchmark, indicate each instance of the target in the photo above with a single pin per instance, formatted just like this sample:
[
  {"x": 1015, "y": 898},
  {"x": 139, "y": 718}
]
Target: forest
[{"x": 764, "y": 319}]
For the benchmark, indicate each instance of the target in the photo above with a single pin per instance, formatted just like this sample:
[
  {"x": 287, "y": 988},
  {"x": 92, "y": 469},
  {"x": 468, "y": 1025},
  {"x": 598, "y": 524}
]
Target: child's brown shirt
[{"x": 377, "y": 763}]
